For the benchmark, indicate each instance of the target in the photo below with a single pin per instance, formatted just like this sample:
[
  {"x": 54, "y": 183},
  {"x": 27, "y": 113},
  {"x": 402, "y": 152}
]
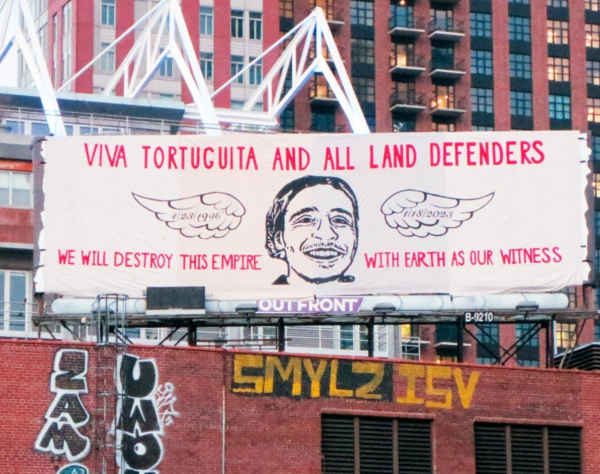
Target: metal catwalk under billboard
[{"x": 297, "y": 216}]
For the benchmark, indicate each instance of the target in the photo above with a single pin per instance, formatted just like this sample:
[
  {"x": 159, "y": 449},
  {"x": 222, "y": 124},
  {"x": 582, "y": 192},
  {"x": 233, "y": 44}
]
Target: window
[
  {"x": 593, "y": 110},
  {"x": 486, "y": 360},
  {"x": 528, "y": 362},
  {"x": 593, "y": 72},
  {"x": 521, "y": 2},
  {"x": 482, "y": 100},
  {"x": 592, "y": 35},
  {"x": 403, "y": 55},
  {"x": 323, "y": 122},
  {"x": 488, "y": 334},
  {"x": 481, "y": 62},
  {"x": 16, "y": 126},
  {"x": 442, "y": 57},
  {"x": 444, "y": 97},
  {"x": 108, "y": 12},
  {"x": 597, "y": 195},
  {"x": 67, "y": 43},
  {"x": 593, "y": 5},
  {"x": 524, "y": 331},
  {"x": 444, "y": 127},
  {"x": 54, "y": 49},
  {"x": 107, "y": 61},
  {"x": 255, "y": 25},
  {"x": 237, "y": 64},
  {"x": 380, "y": 442},
  {"x": 207, "y": 20},
  {"x": 40, "y": 128},
  {"x": 527, "y": 448},
  {"x": 13, "y": 300},
  {"x": 481, "y": 25},
  {"x": 595, "y": 146},
  {"x": 401, "y": 16},
  {"x": 361, "y": 12},
  {"x": 286, "y": 8},
  {"x": 166, "y": 96},
  {"x": 255, "y": 72},
  {"x": 560, "y": 107},
  {"x": 286, "y": 119},
  {"x": 206, "y": 65},
  {"x": 558, "y": 69},
  {"x": 520, "y": 65},
  {"x": 558, "y": 3},
  {"x": 442, "y": 19},
  {"x": 558, "y": 32},
  {"x": 362, "y": 51},
  {"x": 404, "y": 125},
  {"x": 15, "y": 189},
  {"x": 237, "y": 23},
  {"x": 364, "y": 88},
  {"x": 166, "y": 68},
  {"x": 519, "y": 28},
  {"x": 565, "y": 336},
  {"x": 520, "y": 104}
]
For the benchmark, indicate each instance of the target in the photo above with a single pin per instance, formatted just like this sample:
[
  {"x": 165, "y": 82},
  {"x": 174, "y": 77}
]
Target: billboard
[{"x": 306, "y": 216}]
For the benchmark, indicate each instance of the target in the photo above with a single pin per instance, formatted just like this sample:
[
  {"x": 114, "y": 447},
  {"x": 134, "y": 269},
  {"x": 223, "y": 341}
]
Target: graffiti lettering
[
  {"x": 303, "y": 377},
  {"x": 143, "y": 407},
  {"x": 430, "y": 385},
  {"x": 165, "y": 403},
  {"x": 67, "y": 414}
]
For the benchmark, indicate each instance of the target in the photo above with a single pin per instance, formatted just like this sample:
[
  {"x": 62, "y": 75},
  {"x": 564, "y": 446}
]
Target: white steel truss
[
  {"x": 311, "y": 47},
  {"x": 27, "y": 41}
]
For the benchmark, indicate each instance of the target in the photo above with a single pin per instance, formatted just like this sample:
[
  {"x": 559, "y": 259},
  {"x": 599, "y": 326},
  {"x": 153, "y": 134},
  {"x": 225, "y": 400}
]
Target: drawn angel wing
[
  {"x": 205, "y": 216},
  {"x": 418, "y": 214}
]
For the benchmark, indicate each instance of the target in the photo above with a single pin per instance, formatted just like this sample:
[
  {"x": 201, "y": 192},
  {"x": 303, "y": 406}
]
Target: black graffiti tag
[
  {"x": 67, "y": 414},
  {"x": 138, "y": 427}
]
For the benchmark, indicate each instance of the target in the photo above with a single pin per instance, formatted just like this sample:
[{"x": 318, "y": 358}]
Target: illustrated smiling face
[{"x": 320, "y": 234}]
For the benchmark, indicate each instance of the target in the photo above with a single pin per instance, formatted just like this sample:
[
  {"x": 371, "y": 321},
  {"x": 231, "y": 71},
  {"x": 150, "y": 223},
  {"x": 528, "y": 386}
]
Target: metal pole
[
  {"x": 280, "y": 335},
  {"x": 191, "y": 333},
  {"x": 549, "y": 348},
  {"x": 370, "y": 337},
  {"x": 460, "y": 339}
]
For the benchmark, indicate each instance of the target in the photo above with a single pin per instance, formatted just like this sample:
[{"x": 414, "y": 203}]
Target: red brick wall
[{"x": 273, "y": 434}]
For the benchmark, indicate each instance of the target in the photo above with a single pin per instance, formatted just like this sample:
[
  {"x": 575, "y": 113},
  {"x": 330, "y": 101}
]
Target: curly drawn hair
[{"x": 275, "y": 221}]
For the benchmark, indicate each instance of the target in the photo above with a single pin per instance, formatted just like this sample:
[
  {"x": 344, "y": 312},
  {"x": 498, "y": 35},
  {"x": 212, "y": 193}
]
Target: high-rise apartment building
[{"x": 416, "y": 65}]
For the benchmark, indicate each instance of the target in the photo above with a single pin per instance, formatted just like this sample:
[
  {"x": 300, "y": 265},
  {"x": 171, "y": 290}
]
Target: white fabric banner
[{"x": 290, "y": 216}]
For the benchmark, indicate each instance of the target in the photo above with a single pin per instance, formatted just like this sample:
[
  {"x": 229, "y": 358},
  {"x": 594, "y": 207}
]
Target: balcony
[
  {"x": 406, "y": 102},
  {"x": 320, "y": 92},
  {"x": 446, "y": 68},
  {"x": 406, "y": 65},
  {"x": 334, "y": 20},
  {"x": 447, "y": 107},
  {"x": 445, "y": 29},
  {"x": 402, "y": 26}
]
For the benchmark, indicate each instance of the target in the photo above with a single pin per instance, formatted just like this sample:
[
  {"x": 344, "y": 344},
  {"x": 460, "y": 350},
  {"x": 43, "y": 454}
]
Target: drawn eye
[
  {"x": 341, "y": 221},
  {"x": 306, "y": 219}
]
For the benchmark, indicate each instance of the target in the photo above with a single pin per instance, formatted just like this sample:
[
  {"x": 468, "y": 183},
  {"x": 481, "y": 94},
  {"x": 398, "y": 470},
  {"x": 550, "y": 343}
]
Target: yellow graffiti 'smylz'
[{"x": 316, "y": 378}]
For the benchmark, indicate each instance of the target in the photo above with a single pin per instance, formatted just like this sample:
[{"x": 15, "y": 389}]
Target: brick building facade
[{"x": 220, "y": 411}]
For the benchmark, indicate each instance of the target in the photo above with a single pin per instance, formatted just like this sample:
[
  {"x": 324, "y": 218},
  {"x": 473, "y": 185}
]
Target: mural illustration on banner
[
  {"x": 302, "y": 217},
  {"x": 417, "y": 214},
  {"x": 145, "y": 408},
  {"x": 204, "y": 216},
  {"x": 66, "y": 416}
]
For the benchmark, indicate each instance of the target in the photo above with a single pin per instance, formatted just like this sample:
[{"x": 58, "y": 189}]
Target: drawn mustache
[{"x": 324, "y": 246}]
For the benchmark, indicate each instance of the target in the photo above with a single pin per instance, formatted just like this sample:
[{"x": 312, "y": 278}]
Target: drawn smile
[{"x": 326, "y": 254}]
